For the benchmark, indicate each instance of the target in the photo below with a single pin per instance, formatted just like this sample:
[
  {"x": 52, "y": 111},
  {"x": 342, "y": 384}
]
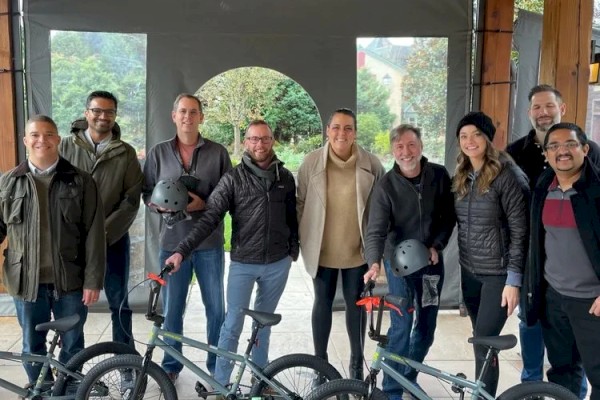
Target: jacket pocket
[
  {"x": 70, "y": 206},
  {"x": 13, "y": 208},
  {"x": 13, "y": 267}
]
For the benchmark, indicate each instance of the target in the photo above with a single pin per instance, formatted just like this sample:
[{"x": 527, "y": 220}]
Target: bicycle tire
[
  {"x": 346, "y": 388},
  {"x": 107, "y": 380},
  {"x": 295, "y": 372},
  {"x": 84, "y": 360},
  {"x": 537, "y": 390}
]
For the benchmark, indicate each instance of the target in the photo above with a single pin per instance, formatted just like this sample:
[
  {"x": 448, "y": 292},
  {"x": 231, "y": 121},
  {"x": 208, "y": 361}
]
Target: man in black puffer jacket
[{"x": 260, "y": 195}]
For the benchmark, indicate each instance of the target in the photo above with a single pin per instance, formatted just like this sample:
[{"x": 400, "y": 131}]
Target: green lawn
[{"x": 227, "y": 232}]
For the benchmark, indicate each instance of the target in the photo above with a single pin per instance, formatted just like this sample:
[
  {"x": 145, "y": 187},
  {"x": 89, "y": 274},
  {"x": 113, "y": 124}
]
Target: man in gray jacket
[
  {"x": 96, "y": 147},
  {"x": 52, "y": 215},
  {"x": 199, "y": 163}
]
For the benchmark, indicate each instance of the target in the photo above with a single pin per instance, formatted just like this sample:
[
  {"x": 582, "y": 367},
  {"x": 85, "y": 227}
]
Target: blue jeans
[
  {"x": 270, "y": 279},
  {"x": 208, "y": 266},
  {"x": 412, "y": 333},
  {"x": 116, "y": 279},
  {"x": 532, "y": 353},
  {"x": 30, "y": 314}
]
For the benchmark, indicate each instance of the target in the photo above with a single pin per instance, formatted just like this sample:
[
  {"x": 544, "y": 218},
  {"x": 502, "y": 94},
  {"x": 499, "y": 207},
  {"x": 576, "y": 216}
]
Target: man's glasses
[
  {"x": 568, "y": 145},
  {"x": 99, "y": 111},
  {"x": 256, "y": 139}
]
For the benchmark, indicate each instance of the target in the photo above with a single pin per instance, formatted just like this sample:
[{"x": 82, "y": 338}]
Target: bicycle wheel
[
  {"x": 295, "y": 372},
  {"x": 537, "y": 390},
  {"x": 345, "y": 388},
  {"x": 84, "y": 360},
  {"x": 116, "y": 378}
]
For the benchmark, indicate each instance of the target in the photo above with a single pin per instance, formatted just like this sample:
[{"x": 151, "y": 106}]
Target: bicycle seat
[
  {"x": 59, "y": 325},
  {"x": 263, "y": 318},
  {"x": 503, "y": 342}
]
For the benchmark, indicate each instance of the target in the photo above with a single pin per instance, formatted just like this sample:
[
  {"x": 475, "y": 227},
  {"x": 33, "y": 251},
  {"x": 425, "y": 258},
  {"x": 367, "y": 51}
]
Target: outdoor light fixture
[{"x": 594, "y": 65}]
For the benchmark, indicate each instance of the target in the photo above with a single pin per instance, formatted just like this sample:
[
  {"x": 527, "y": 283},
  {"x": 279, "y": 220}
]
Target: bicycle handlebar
[{"x": 155, "y": 286}]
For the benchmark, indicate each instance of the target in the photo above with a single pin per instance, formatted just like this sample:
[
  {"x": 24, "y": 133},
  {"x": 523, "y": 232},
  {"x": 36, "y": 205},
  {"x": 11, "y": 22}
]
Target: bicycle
[
  {"x": 67, "y": 375},
  {"x": 289, "y": 377},
  {"x": 460, "y": 384}
]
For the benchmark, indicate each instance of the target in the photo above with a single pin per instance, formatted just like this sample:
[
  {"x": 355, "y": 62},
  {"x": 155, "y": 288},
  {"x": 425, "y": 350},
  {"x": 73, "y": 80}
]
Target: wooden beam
[
  {"x": 495, "y": 65},
  {"x": 565, "y": 58},
  {"x": 8, "y": 145}
]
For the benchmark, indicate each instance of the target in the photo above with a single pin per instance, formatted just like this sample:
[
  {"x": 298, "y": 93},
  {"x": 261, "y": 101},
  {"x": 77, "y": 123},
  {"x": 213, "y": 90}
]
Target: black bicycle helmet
[
  {"x": 409, "y": 256},
  {"x": 170, "y": 194}
]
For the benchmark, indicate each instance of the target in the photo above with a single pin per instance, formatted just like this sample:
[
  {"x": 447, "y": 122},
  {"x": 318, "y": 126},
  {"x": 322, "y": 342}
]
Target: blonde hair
[{"x": 488, "y": 172}]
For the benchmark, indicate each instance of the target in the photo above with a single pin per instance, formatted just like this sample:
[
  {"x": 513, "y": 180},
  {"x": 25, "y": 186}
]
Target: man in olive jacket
[
  {"x": 52, "y": 215},
  {"x": 96, "y": 147}
]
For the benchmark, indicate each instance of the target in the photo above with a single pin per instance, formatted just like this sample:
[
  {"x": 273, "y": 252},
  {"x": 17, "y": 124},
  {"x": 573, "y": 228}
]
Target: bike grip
[{"x": 398, "y": 301}]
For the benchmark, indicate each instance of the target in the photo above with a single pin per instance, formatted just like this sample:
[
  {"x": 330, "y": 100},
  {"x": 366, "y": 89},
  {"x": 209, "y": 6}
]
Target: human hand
[
  {"x": 595, "y": 309},
  {"x": 90, "y": 296},
  {"x": 197, "y": 204},
  {"x": 510, "y": 298},
  {"x": 434, "y": 258},
  {"x": 372, "y": 273},
  {"x": 175, "y": 260}
]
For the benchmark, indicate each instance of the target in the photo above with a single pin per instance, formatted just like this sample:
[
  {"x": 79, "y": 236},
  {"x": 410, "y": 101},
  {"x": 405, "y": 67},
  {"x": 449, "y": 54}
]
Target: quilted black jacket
[{"x": 493, "y": 226}]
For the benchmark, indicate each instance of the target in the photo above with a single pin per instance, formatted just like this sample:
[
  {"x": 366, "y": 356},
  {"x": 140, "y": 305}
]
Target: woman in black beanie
[{"x": 491, "y": 201}]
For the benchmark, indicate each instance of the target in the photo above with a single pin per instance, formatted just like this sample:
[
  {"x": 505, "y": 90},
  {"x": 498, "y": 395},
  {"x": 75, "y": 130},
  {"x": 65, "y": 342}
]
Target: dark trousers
[
  {"x": 572, "y": 337},
  {"x": 325, "y": 284},
  {"x": 115, "y": 288},
  {"x": 483, "y": 295}
]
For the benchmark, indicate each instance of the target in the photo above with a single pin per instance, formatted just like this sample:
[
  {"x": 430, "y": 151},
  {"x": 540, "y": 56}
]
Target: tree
[
  {"x": 292, "y": 113},
  {"x": 237, "y": 96},
  {"x": 425, "y": 88},
  {"x": 369, "y": 126},
  {"x": 372, "y": 97}
]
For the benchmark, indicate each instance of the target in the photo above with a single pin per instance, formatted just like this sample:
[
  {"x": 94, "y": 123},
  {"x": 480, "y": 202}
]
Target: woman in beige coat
[{"x": 334, "y": 184}]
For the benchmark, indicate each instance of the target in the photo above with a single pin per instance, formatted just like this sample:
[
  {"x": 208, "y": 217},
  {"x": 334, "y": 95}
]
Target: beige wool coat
[{"x": 312, "y": 199}]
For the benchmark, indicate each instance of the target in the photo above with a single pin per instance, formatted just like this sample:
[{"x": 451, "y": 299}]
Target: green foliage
[
  {"x": 292, "y": 113},
  {"x": 381, "y": 143},
  {"x": 372, "y": 97},
  {"x": 82, "y": 62},
  {"x": 536, "y": 6},
  {"x": 369, "y": 125},
  {"x": 309, "y": 144},
  {"x": 425, "y": 89},
  {"x": 290, "y": 156}
]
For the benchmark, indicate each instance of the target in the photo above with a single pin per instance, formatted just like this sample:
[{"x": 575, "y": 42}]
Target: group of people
[{"x": 528, "y": 233}]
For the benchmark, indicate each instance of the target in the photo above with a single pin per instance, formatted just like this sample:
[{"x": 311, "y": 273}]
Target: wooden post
[
  {"x": 495, "y": 65},
  {"x": 565, "y": 58},
  {"x": 8, "y": 145}
]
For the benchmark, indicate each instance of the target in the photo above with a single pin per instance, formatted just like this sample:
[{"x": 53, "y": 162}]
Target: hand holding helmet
[{"x": 409, "y": 257}]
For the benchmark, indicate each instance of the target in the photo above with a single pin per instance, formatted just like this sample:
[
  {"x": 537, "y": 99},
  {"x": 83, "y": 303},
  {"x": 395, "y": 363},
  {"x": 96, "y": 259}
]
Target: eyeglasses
[
  {"x": 567, "y": 145},
  {"x": 256, "y": 139},
  {"x": 99, "y": 111}
]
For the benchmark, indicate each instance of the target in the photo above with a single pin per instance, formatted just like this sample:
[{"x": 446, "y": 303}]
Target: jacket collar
[
  {"x": 81, "y": 124},
  {"x": 63, "y": 167},
  {"x": 362, "y": 158}
]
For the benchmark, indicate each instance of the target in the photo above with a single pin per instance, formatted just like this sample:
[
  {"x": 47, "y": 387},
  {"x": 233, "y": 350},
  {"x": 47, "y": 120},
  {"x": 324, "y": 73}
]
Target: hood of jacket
[{"x": 81, "y": 125}]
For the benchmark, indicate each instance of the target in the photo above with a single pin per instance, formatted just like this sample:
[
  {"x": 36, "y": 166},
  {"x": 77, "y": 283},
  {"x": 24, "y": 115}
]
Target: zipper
[
  {"x": 267, "y": 225},
  {"x": 469, "y": 224}
]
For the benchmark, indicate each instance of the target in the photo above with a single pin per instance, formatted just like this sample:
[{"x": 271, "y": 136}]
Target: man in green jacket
[
  {"x": 96, "y": 147},
  {"x": 52, "y": 215}
]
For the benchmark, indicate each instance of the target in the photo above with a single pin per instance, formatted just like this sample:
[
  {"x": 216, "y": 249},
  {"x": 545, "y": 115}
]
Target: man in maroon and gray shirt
[{"x": 562, "y": 281}]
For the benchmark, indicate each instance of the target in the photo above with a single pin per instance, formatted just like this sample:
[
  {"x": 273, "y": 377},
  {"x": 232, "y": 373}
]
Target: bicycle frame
[
  {"x": 378, "y": 363},
  {"x": 48, "y": 362}
]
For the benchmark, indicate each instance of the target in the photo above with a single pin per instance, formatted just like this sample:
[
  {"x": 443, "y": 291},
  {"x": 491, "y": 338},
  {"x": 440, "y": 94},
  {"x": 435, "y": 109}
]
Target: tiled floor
[{"x": 450, "y": 351}]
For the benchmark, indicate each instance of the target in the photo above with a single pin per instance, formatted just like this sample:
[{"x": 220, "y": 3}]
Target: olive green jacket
[
  {"x": 76, "y": 225},
  {"x": 117, "y": 173}
]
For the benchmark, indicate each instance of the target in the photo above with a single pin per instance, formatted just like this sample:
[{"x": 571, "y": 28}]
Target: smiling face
[
  {"x": 408, "y": 151},
  {"x": 187, "y": 116},
  {"x": 473, "y": 143},
  {"x": 564, "y": 152},
  {"x": 100, "y": 115},
  {"x": 545, "y": 110},
  {"x": 41, "y": 140},
  {"x": 259, "y": 142},
  {"x": 341, "y": 133}
]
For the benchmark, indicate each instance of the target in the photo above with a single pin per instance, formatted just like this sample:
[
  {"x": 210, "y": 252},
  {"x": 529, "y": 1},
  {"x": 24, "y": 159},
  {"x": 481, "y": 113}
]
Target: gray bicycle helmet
[
  {"x": 170, "y": 194},
  {"x": 409, "y": 256}
]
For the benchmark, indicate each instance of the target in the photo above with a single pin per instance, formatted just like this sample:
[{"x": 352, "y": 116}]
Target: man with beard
[
  {"x": 260, "y": 195},
  {"x": 562, "y": 280},
  {"x": 95, "y": 146},
  {"x": 546, "y": 109},
  {"x": 413, "y": 200}
]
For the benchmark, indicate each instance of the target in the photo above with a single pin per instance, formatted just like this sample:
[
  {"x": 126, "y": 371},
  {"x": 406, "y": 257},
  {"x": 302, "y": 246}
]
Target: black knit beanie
[{"x": 481, "y": 121}]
